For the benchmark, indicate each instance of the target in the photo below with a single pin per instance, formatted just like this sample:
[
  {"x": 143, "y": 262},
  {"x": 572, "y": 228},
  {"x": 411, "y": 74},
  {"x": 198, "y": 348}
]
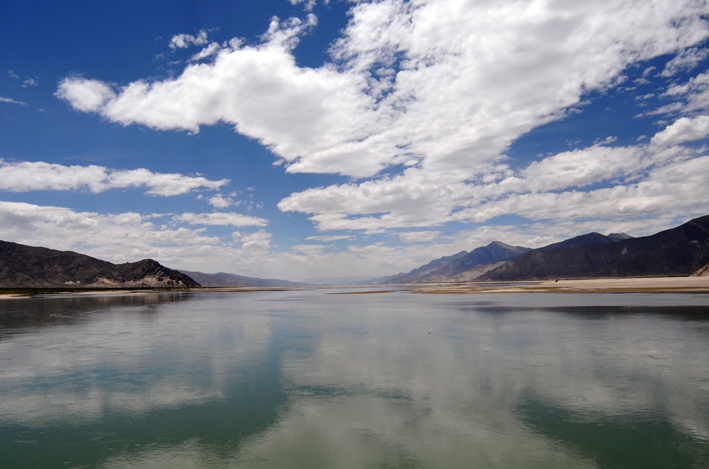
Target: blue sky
[{"x": 312, "y": 139}]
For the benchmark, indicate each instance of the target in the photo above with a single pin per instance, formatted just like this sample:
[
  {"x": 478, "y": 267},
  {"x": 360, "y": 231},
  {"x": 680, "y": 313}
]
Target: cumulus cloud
[
  {"x": 109, "y": 236},
  {"x": 182, "y": 41},
  {"x": 220, "y": 201},
  {"x": 440, "y": 89},
  {"x": 84, "y": 95},
  {"x": 30, "y": 176},
  {"x": 261, "y": 240},
  {"x": 682, "y": 130},
  {"x": 130, "y": 236},
  {"x": 642, "y": 175},
  {"x": 206, "y": 52},
  {"x": 220, "y": 219}
]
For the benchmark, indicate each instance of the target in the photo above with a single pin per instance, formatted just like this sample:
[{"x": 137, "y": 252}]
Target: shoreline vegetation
[{"x": 601, "y": 285}]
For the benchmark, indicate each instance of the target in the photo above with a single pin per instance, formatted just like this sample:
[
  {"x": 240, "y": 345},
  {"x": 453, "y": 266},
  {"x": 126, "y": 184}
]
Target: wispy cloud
[
  {"x": 30, "y": 82},
  {"x": 220, "y": 219},
  {"x": 12, "y": 101},
  {"x": 328, "y": 238}
]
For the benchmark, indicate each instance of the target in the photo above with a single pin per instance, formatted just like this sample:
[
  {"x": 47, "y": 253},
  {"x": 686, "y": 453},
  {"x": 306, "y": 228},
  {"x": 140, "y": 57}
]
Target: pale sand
[
  {"x": 605, "y": 285},
  {"x": 12, "y": 296}
]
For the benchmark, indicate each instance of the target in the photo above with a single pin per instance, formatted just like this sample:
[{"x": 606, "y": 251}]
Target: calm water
[{"x": 315, "y": 379}]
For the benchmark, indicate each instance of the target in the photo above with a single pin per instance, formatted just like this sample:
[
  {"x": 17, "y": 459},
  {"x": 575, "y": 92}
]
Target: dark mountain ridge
[
  {"x": 678, "y": 251},
  {"x": 24, "y": 266}
]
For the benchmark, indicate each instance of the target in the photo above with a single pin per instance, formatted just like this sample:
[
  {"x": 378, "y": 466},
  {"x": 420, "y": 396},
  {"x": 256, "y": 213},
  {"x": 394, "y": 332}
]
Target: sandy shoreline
[
  {"x": 622, "y": 285},
  {"x": 617, "y": 285}
]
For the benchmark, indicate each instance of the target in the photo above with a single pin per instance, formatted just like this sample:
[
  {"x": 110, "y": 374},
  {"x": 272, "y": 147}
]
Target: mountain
[
  {"x": 701, "y": 272},
  {"x": 619, "y": 236},
  {"x": 27, "y": 267},
  {"x": 678, "y": 251},
  {"x": 461, "y": 267},
  {"x": 222, "y": 279},
  {"x": 407, "y": 277},
  {"x": 589, "y": 238}
]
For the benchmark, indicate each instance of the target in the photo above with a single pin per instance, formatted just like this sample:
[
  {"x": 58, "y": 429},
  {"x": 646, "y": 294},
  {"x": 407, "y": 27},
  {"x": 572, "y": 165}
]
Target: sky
[{"x": 318, "y": 141}]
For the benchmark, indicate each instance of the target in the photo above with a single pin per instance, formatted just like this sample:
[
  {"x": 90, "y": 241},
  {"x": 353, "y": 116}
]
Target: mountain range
[
  {"x": 679, "y": 251},
  {"x": 461, "y": 267}
]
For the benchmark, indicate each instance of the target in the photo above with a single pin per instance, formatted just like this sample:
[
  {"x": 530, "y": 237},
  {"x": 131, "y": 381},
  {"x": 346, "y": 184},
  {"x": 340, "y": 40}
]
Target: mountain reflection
[{"x": 307, "y": 379}]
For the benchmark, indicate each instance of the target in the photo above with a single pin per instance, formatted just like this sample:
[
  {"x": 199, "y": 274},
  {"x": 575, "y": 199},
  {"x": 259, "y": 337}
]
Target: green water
[{"x": 315, "y": 379}]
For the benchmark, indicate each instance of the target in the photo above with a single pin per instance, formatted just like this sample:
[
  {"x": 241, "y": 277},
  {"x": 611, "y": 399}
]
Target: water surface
[{"x": 316, "y": 379}]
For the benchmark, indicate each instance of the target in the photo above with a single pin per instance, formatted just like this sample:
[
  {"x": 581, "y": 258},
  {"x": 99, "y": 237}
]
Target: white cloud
[
  {"x": 123, "y": 237},
  {"x": 692, "y": 96},
  {"x": 685, "y": 60},
  {"x": 220, "y": 201},
  {"x": 413, "y": 199},
  {"x": 182, "y": 41},
  {"x": 116, "y": 237},
  {"x": 28, "y": 176},
  {"x": 261, "y": 240},
  {"x": 327, "y": 239},
  {"x": 682, "y": 130},
  {"x": 84, "y": 95},
  {"x": 30, "y": 82},
  {"x": 206, "y": 52},
  {"x": 10, "y": 100},
  {"x": 220, "y": 219},
  {"x": 442, "y": 89}
]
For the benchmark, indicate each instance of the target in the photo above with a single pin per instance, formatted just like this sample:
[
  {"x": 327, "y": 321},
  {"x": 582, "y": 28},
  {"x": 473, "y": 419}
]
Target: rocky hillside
[{"x": 28, "y": 267}]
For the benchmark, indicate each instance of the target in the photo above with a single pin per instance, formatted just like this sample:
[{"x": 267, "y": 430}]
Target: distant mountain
[
  {"x": 679, "y": 251},
  {"x": 27, "y": 267},
  {"x": 464, "y": 266},
  {"x": 408, "y": 277},
  {"x": 619, "y": 236},
  {"x": 222, "y": 279}
]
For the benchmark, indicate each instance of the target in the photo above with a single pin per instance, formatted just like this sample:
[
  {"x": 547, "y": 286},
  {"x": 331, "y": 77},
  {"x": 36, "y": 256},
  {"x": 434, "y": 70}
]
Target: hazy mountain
[
  {"x": 28, "y": 266},
  {"x": 464, "y": 266},
  {"x": 408, "y": 277},
  {"x": 222, "y": 279},
  {"x": 678, "y": 251},
  {"x": 619, "y": 236}
]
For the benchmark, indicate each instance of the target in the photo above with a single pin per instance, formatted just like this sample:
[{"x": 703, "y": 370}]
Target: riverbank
[{"x": 607, "y": 285}]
